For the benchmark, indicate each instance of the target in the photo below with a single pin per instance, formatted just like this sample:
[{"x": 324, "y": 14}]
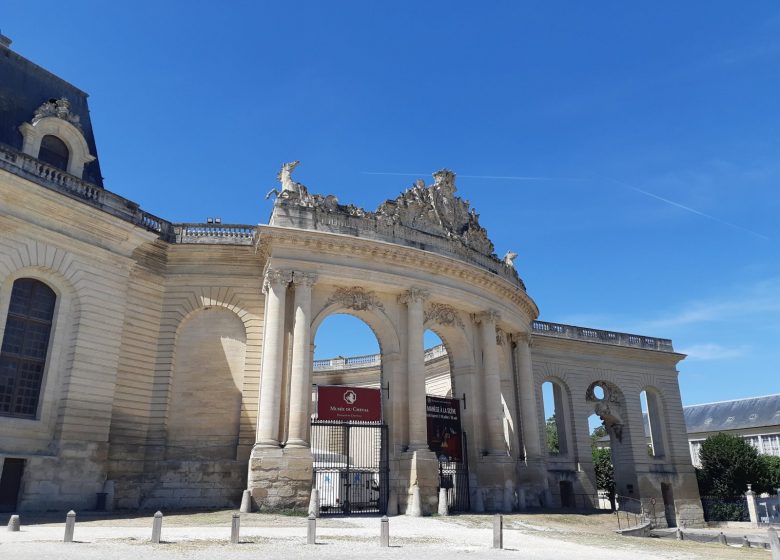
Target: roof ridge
[{"x": 732, "y": 400}]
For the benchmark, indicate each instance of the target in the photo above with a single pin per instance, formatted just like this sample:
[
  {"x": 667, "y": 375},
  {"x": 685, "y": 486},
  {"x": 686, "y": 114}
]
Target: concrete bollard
[
  {"x": 246, "y": 502},
  {"x": 311, "y": 530},
  {"x": 745, "y": 542},
  {"x": 680, "y": 535},
  {"x": 14, "y": 524},
  {"x": 498, "y": 531},
  {"x": 443, "y": 507},
  {"x": 235, "y": 528},
  {"x": 314, "y": 503},
  {"x": 70, "y": 526},
  {"x": 774, "y": 543},
  {"x": 722, "y": 539},
  {"x": 384, "y": 532},
  {"x": 415, "y": 508},
  {"x": 157, "y": 527}
]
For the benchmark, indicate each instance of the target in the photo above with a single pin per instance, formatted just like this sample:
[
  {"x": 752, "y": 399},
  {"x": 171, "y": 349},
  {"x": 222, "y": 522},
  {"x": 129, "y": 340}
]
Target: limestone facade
[{"x": 179, "y": 367}]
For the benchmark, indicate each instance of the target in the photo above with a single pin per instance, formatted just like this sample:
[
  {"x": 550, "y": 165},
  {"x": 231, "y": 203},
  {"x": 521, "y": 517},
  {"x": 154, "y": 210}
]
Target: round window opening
[{"x": 598, "y": 392}]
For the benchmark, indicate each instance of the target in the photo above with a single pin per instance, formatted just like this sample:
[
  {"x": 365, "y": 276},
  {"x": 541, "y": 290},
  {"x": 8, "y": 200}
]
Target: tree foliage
[
  {"x": 553, "y": 447},
  {"x": 771, "y": 480},
  {"x": 728, "y": 465},
  {"x": 602, "y": 464}
]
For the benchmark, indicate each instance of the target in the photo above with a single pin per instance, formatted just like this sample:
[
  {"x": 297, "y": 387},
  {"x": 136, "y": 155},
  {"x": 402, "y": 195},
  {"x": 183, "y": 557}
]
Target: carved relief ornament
[
  {"x": 356, "y": 298},
  {"x": 59, "y": 108},
  {"x": 489, "y": 316},
  {"x": 414, "y": 295},
  {"x": 443, "y": 314}
]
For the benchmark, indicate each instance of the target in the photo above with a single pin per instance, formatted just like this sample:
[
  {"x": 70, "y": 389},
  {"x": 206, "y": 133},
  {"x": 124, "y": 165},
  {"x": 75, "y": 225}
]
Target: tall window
[
  {"x": 54, "y": 151},
  {"x": 25, "y": 343}
]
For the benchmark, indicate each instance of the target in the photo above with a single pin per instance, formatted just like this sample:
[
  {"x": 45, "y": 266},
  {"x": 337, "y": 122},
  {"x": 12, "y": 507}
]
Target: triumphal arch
[{"x": 151, "y": 364}]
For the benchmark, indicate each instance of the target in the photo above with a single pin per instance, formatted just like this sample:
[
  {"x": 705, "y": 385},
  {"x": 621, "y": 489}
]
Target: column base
[
  {"x": 496, "y": 475},
  {"x": 280, "y": 478},
  {"x": 418, "y": 467}
]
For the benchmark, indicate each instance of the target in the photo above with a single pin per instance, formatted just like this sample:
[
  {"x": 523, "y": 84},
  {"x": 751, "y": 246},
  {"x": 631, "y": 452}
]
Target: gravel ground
[{"x": 205, "y": 536}]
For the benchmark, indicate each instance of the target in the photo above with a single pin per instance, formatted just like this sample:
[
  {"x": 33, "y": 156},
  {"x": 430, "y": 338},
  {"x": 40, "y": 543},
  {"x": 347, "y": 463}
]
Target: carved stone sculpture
[
  {"x": 59, "y": 108},
  {"x": 442, "y": 314},
  {"x": 509, "y": 259},
  {"x": 356, "y": 298}
]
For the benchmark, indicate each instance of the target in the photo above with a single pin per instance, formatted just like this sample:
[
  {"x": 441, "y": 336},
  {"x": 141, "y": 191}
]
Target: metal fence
[
  {"x": 350, "y": 466},
  {"x": 725, "y": 509}
]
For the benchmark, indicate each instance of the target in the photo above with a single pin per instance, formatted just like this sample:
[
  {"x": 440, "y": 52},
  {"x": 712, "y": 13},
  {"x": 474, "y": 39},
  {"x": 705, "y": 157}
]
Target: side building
[{"x": 170, "y": 365}]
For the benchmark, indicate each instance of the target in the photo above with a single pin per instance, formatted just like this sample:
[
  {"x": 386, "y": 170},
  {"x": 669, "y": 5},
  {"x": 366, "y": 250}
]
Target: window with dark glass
[
  {"x": 54, "y": 151},
  {"x": 25, "y": 344}
]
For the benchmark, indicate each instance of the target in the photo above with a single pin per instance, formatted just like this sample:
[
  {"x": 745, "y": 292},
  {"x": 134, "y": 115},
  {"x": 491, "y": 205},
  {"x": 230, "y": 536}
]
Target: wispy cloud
[
  {"x": 499, "y": 177},
  {"x": 762, "y": 298},
  {"x": 711, "y": 351}
]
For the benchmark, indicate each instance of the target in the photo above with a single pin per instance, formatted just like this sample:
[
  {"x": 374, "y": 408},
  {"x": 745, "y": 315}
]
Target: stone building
[{"x": 170, "y": 365}]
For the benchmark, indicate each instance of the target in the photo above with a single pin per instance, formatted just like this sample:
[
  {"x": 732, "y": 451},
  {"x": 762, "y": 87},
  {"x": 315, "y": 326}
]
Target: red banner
[{"x": 337, "y": 402}]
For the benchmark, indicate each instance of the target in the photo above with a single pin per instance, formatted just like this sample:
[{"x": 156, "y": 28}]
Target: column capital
[
  {"x": 489, "y": 316},
  {"x": 306, "y": 279},
  {"x": 276, "y": 277},
  {"x": 414, "y": 295},
  {"x": 521, "y": 337}
]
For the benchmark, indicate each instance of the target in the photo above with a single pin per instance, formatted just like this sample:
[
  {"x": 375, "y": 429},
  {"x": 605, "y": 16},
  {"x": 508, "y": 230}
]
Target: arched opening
[
  {"x": 438, "y": 380},
  {"x": 349, "y": 455},
  {"x": 652, "y": 418},
  {"x": 54, "y": 152},
  {"x": 604, "y": 469},
  {"x": 554, "y": 406}
]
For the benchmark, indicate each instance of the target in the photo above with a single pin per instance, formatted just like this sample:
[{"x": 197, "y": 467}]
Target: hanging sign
[
  {"x": 338, "y": 402},
  {"x": 444, "y": 432}
]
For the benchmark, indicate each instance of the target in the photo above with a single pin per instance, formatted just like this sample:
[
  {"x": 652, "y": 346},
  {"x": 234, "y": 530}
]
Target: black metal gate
[
  {"x": 350, "y": 466},
  {"x": 454, "y": 477}
]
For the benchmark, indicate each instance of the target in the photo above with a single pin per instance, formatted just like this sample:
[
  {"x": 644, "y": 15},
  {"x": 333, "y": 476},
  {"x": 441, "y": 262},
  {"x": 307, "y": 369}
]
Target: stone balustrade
[
  {"x": 602, "y": 337},
  {"x": 224, "y": 234},
  {"x": 340, "y": 363}
]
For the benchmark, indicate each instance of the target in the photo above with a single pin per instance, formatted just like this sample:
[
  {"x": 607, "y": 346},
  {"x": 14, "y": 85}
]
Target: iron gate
[
  {"x": 350, "y": 466},
  {"x": 454, "y": 477}
]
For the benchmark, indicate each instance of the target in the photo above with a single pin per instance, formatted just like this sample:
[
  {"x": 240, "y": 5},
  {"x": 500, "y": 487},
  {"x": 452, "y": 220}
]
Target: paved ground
[{"x": 205, "y": 536}]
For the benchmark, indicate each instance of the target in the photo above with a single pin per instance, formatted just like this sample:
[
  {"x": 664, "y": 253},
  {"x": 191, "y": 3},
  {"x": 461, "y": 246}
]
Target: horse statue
[{"x": 285, "y": 178}]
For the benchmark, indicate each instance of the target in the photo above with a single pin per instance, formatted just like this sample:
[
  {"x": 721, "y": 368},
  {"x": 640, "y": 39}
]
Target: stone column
[
  {"x": 415, "y": 354},
  {"x": 528, "y": 413},
  {"x": 300, "y": 378},
  {"x": 494, "y": 409},
  {"x": 275, "y": 287}
]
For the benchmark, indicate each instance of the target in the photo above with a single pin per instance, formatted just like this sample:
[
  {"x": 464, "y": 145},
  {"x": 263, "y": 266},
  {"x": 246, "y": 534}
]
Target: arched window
[
  {"x": 25, "y": 344},
  {"x": 54, "y": 151}
]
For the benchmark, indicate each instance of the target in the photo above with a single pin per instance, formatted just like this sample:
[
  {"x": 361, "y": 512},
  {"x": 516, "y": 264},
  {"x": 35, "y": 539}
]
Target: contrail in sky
[
  {"x": 615, "y": 181},
  {"x": 688, "y": 209}
]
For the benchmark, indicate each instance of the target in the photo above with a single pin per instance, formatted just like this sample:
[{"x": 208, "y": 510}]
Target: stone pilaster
[
  {"x": 275, "y": 287},
  {"x": 415, "y": 354},
  {"x": 300, "y": 382},
  {"x": 494, "y": 408},
  {"x": 528, "y": 415}
]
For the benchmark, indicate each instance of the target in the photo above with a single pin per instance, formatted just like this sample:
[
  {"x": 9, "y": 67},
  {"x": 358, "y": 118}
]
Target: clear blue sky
[{"x": 630, "y": 154}]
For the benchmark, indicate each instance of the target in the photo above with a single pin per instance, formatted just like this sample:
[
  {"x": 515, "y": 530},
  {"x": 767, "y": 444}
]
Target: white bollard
[
  {"x": 722, "y": 539},
  {"x": 246, "y": 502},
  {"x": 157, "y": 527},
  {"x": 314, "y": 503},
  {"x": 70, "y": 526},
  {"x": 235, "y": 528},
  {"x": 311, "y": 530},
  {"x": 443, "y": 507},
  {"x": 14, "y": 524},
  {"x": 498, "y": 531},
  {"x": 384, "y": 532}
]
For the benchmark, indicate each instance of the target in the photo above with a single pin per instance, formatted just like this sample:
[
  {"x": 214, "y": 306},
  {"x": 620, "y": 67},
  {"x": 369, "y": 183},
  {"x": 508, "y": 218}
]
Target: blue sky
[{"x": 630, "y": 154}]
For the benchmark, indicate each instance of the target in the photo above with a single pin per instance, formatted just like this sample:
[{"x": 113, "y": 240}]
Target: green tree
[
  {"x": 605, "y": 472},
  {"x": 553, "y": 447},
  {"x": 771, "y": 480},
  {"x": 728, "y": 465}
]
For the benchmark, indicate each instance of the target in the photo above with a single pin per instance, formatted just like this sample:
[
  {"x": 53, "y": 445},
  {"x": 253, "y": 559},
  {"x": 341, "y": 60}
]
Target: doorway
[
  {"x": 10, "y": 484},
  {"x": 668, "y": 496}
]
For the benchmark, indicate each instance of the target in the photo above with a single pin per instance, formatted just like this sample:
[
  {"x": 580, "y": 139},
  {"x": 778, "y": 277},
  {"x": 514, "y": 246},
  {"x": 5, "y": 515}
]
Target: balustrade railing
[
  {"x": 355, "y": 362},
  {"x": 235, "y": 234},
  {"x": 605, "y": 337}
]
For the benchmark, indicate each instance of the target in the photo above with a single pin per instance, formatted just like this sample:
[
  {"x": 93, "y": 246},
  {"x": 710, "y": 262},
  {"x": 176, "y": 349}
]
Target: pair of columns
[{"x": 271, "y": 375}]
